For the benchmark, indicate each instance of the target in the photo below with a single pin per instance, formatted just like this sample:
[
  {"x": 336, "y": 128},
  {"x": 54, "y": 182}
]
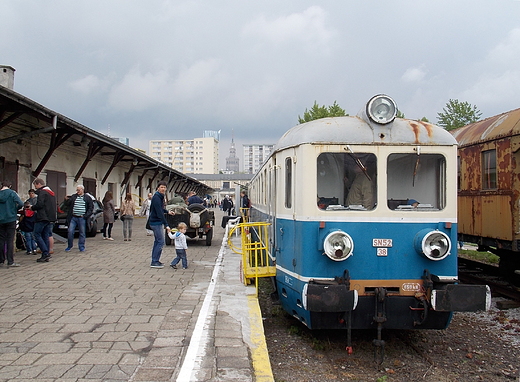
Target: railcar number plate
[{"x": 386, "y": 243}]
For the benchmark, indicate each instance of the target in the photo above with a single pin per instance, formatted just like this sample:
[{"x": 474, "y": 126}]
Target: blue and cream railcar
[{"x": 364, "y": 222}]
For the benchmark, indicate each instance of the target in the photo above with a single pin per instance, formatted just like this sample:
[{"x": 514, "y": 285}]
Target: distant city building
[
  {"x": 211, "y": 134},
  {"x": 224, "y": 184},
  {"x": 254, "y": 157},
  {"x": 196, "y": 156},
  {"x": 232, "y": 161},
  {"x": 125, "y": 141}
]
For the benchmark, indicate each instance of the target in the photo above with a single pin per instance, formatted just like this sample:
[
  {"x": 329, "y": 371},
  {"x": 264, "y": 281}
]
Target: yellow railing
[
  {"x": 254, "y": 249},
  {"x": 244, "y": 214}
]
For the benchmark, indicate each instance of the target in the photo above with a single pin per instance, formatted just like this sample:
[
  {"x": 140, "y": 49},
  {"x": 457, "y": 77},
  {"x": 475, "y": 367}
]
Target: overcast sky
[{"x": 153, "y": 69}]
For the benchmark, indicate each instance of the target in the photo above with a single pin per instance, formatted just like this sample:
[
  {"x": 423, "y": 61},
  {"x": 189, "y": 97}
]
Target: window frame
[{"x": 489, "y": 173}]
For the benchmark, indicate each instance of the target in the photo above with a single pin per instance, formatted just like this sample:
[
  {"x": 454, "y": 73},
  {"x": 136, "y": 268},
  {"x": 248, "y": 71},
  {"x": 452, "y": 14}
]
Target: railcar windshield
[
  {"x": 347, "y": 181},
  {"x": 416, "y": 182}
]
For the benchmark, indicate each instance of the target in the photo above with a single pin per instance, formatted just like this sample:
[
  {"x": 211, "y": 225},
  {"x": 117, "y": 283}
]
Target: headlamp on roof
[{"x": 381, "y": 109}]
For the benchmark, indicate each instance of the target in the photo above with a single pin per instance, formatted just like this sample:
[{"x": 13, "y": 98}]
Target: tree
[
  {"x": 457, "y": 114},
  {"x": 317, "y": 112}
]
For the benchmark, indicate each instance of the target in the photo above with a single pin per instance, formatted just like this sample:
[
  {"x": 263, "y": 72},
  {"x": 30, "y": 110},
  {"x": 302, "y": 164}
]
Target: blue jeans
[
  {"x": 158, "y": 244},
  {"x": 30, "y": 243},
  {"x": 82, "y": 226},
  {"x": 42, "y": 231},
  {"x": 181, "y": 255},
  {"x": 127, "y": 226}
]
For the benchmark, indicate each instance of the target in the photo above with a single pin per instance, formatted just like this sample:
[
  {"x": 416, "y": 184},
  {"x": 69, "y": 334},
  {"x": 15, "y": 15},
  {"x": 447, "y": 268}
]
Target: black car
[{"x": 94, "y": 223}]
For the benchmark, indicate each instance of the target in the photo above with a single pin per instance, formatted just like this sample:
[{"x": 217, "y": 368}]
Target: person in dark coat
[
  {"x": 10, "y": 203},
  {"x": 227, "y": 205},
  {"x": 45, "y": 208},
  {"x": 194, "y": 198},
  {"x": 109, "y": 213},
  {"x": 158, "y": 223}
]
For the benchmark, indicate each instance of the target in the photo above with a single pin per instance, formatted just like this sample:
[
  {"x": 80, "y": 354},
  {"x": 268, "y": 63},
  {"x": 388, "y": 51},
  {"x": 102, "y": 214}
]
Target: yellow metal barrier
[
  {"x": 254, "y": 249},
  {"x": 244, "y": 214}
]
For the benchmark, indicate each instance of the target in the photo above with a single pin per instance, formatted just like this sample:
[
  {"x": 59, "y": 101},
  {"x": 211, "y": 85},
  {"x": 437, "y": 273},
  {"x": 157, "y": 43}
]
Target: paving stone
[
  {"x": 105, "y": 315},
  {"x": 153, "y": 374}
]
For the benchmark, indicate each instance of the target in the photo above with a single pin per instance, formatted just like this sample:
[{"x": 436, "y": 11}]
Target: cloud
[
  {"x": 199, "y": 78},
  {"x": 139, "y": 91},
  {"x": 416, "y": 74},
  {"x": 307, "y": 28},
  {"x": 88, "y": 84},
  {"x": 499, "y": 80},
  {"x": 506, "y": 53}
]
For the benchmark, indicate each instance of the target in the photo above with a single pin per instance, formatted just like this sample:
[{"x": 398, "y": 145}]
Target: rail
[{"x": 254, "y": 249}]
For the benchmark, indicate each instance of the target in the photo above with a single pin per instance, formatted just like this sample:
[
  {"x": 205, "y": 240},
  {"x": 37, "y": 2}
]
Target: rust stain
[
  {"x": 416, "y": 130},
  {"x": 428, "y": 127}
]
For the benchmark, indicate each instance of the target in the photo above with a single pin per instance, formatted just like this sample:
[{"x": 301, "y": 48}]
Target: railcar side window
[
  {"x": 288, "y": 182},
  {"x": 346, "y": 181},
  {"x": 489, "y": 169},
  {"x": 416, "y": 182}
]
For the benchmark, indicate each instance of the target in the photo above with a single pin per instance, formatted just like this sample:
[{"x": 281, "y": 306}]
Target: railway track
[{"x": 475, "y": 272}]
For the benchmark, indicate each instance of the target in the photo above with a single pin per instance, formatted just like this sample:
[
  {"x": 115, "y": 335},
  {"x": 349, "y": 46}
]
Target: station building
[{"x": 38, "y": 142}]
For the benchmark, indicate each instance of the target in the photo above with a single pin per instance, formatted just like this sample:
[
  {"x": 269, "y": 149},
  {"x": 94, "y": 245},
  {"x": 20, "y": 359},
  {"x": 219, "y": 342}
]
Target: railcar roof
[
  {"x": 502, "y": 125},
  {"x": 356, "y": 130}
]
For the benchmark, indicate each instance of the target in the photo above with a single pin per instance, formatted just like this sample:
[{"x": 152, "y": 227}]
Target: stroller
[
  {"x": 24, "y": 226},
  {"x": 20, "y": 238}
]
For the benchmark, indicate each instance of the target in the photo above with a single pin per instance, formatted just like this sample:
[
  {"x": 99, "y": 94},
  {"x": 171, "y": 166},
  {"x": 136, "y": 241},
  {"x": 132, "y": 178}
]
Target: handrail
[{"x": 256, "y": 257}]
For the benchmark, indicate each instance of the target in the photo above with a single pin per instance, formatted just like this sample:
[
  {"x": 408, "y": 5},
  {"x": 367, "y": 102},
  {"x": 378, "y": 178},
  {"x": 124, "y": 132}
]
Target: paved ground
[{"x": 105, "y": 315}]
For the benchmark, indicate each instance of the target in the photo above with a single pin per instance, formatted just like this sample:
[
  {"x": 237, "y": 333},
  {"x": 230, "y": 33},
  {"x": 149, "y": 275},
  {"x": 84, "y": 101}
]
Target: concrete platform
[{"x": 105, "y": 315}]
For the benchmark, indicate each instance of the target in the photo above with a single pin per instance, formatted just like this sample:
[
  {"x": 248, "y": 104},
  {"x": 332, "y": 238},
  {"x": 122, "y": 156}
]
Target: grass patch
[{"x": 485, "y": 257}]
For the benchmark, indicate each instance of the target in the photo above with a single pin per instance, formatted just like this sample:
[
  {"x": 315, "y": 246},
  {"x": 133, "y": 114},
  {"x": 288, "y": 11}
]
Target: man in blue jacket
[{"x": 158, "y": 223}]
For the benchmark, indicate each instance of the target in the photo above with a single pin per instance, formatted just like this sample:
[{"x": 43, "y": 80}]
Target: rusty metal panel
[
  {"x": 504, "y": 170},
  {"x": 515, "y": 192},
  {"x": 470, "y": 215},
  {"x": 502, "y": 125},
  {"x": 471, "y": 173},
  {"x": 497, "y": 220},
  {"x": 487, "y": 216}
]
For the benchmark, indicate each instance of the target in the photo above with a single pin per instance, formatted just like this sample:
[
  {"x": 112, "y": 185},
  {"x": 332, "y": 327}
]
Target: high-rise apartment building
[
  {"x": 193, "y": 156},
  {"x": 254, "y": 156}
]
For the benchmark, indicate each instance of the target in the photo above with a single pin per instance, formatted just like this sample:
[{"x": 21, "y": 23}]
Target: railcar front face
[{"x": 370, "y": 232}]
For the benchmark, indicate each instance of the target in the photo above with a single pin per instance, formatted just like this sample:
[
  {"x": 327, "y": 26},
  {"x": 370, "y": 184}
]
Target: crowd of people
[{"x": 34, "y": 219}]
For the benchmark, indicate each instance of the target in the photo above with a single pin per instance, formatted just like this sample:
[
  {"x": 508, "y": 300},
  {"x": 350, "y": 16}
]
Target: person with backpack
[{"x": 227, "y": 205}]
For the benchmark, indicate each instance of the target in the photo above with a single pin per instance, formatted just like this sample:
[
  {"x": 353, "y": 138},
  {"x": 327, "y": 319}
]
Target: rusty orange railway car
[{"x": 489, "y": 187}]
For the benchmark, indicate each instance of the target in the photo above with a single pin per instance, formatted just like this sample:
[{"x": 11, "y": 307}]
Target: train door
[{"x": 271, "y": 186}]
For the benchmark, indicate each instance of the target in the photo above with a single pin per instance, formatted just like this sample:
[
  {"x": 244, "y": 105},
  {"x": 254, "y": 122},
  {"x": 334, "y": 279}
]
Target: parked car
[{"x": 94, "y": 223}]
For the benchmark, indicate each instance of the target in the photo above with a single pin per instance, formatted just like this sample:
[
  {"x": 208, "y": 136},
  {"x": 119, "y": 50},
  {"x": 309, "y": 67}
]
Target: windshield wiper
[
  {"x": 416, "y": 167},
  {"x": 358, "y": 162}
]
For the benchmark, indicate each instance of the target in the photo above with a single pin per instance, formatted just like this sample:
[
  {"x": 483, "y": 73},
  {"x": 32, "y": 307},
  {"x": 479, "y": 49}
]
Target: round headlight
[
  {"x": 381, "y": 109},
  {"x": 338, "y": 246},
  {"x": 435, "y": 245}
]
